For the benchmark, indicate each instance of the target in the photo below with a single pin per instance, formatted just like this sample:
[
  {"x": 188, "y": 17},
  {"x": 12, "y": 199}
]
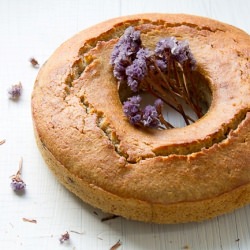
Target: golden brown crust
[{"x": 178, "y": 175}]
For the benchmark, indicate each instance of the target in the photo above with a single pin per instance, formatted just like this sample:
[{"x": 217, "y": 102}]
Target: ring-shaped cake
[{"x": 163, "y": 176}]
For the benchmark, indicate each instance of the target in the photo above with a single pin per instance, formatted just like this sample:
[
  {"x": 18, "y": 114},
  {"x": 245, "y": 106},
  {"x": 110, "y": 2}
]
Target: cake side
[{"x": 136, "y": 209}]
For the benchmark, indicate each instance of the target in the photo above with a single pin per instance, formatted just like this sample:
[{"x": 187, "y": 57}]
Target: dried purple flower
[
  {"x": 132, "y": 39},
  {"x": 128, "y": 44},
  {"x": 125, "y": 51},
  {"x": 131, "y": 109},
  {"x": 178, "y": 50},
  {"x": 164, "y": 73},
  {"x": 162, "y": 64},
  {"x": 120, "y": 65},
  {"x": 182, "y": 53},
  {"x": 132, "y": 105},
  {"x": 165, "y": 46},
  {"x": 64, "y": 237},
  {"x": 150, "y": 117},
  {"x": 133, "y": 84},
  {"x": 15, "y": 91},
  {"x": 17, "y": 183},
  {"x": 143, "y": 54},
  {"x": 158, "y": 103},
  {"x": 138, "y": 69}
]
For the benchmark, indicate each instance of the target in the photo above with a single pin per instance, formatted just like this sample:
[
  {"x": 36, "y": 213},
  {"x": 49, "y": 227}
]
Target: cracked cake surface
[{"x": 164, "y": 176}]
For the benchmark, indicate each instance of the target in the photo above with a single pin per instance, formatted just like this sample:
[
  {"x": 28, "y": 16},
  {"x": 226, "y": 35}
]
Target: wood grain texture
[{"x": 36, "y": 29}]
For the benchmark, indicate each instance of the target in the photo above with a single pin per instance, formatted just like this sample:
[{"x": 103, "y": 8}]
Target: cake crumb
[
  {"x": 30, "y": 220},
  {"x": 116, "y": 245},
  {"x": 34, "y": 62},
  {"x": 2, "y": 142}
]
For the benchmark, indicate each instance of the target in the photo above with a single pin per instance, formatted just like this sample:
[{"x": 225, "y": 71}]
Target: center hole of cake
[
  {"x": 168, "y": 71},
  {"x": 200, "y": 96}
]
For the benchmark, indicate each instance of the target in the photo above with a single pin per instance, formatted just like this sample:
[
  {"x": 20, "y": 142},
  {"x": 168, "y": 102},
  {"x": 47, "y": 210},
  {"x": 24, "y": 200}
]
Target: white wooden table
[{"x": 35, "y": 29}]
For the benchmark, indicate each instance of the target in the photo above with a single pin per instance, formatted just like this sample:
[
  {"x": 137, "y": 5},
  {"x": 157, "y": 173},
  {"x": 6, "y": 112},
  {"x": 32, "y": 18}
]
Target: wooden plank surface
[{"x": 36, "y": 29}]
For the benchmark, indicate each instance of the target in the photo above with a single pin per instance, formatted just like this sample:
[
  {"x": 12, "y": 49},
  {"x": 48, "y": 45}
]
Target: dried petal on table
[
  {"x": 15, "y": 91},
  {"x": 116, "y": 245},
  {"x": 64, "y": 237},
  {"x": 17, "y": 183},
  {"x": 34, "y": 62},
  {"x": 30, "y": 220},
  {"x": 2, "y": 142}
]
